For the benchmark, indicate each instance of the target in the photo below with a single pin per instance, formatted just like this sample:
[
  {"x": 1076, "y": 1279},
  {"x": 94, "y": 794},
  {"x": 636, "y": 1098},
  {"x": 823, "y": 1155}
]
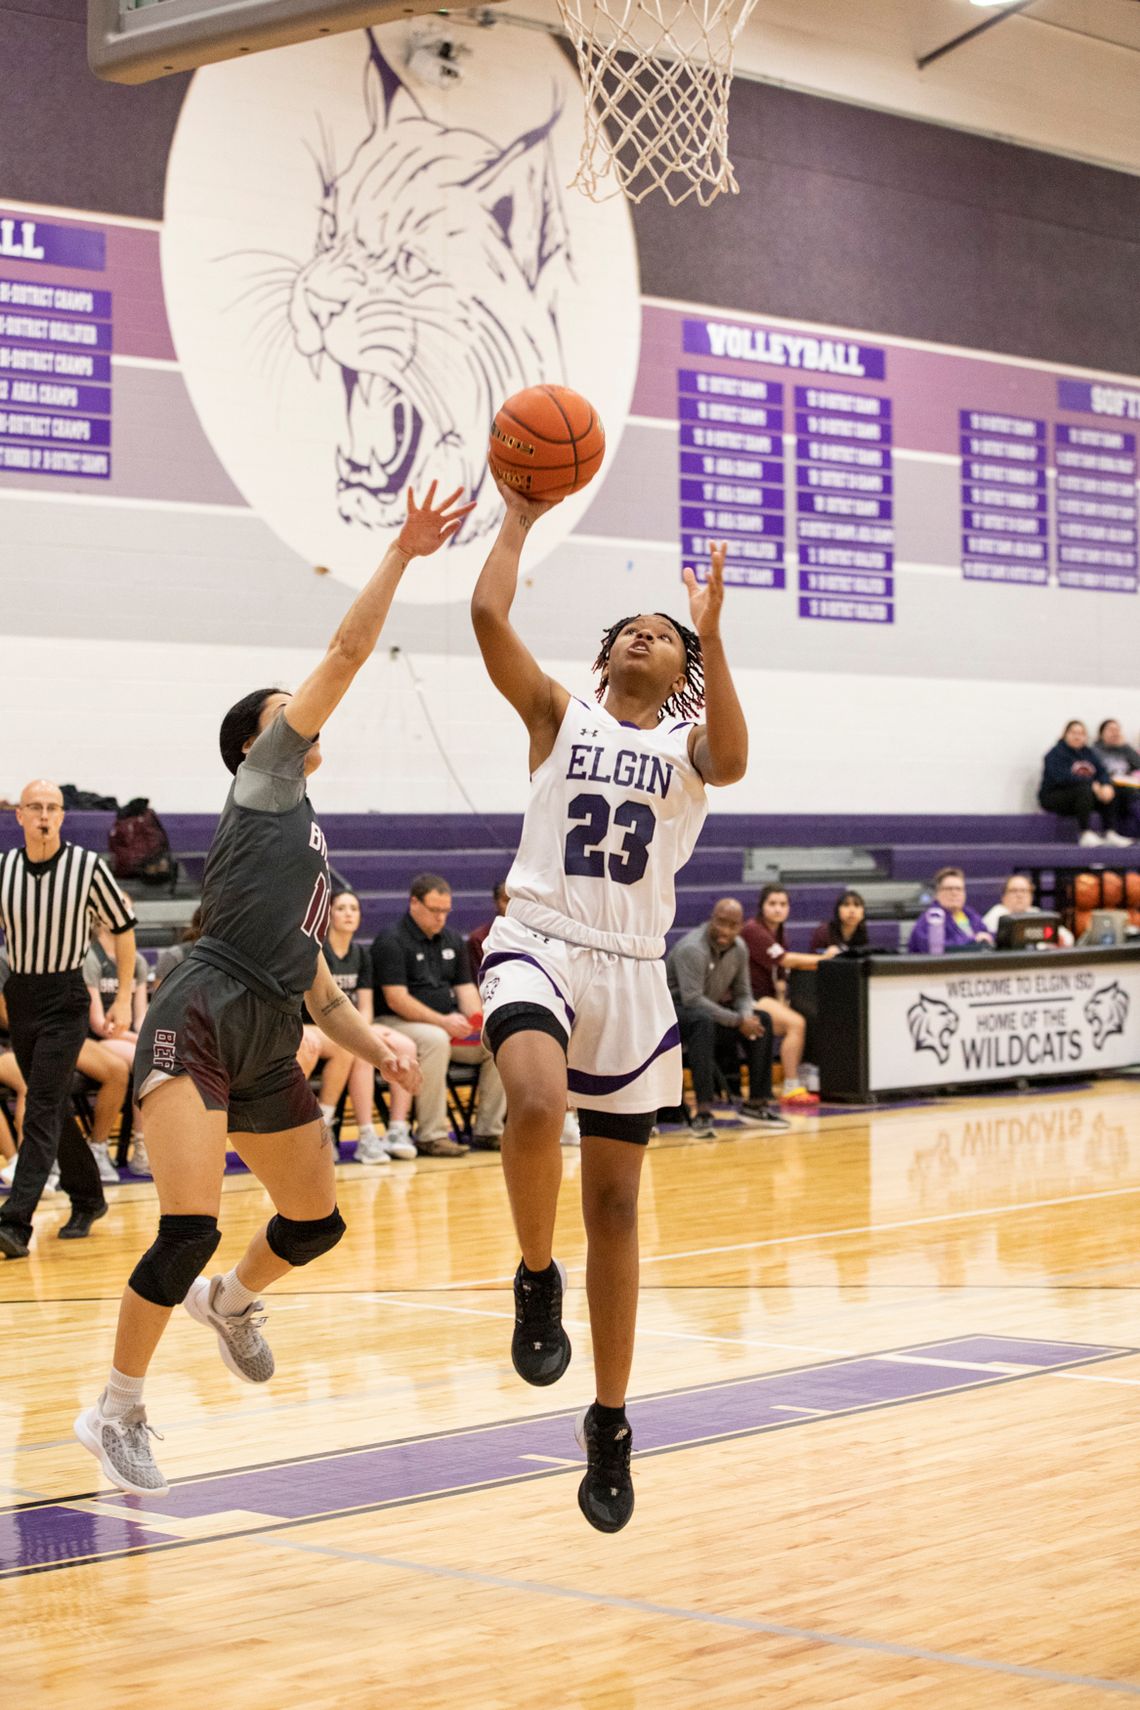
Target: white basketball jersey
[{"x": 614, "y": 813}]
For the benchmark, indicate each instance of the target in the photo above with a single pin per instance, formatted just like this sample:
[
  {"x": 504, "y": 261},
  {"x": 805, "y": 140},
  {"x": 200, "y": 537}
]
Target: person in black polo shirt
[{"x": 421, "y": 974}]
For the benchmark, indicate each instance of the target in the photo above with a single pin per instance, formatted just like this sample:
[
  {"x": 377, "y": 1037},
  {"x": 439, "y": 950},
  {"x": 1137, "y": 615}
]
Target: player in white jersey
[{"x": 573, "y": 983}]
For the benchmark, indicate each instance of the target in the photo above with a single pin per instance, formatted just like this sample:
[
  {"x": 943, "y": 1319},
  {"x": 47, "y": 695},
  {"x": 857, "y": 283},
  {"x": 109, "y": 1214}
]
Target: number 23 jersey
[{"x": 613, "y": 815}]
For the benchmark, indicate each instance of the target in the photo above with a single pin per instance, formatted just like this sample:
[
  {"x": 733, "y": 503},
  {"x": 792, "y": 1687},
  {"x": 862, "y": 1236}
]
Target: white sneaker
[
  {"x": 7, "y": 1174},
  {"x": 1117, "y": 841},
  {"x": 242, "y": 1346},
  {"x": 1090, "y": 839},
  {"x": 398, "y": 1142},
  {"x": 371, "y": 1150},
  {"x": 52, "y": 1183},
  {"x": 122, "y": 1448},
  {"x": 102, "y": 1157},
  {"x": 571, "y": 1133}
]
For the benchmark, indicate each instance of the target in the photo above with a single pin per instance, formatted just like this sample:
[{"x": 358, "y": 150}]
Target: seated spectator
[
  {"x": 708, "y": 981},
  {"x": 477, "y": 939},
  {"x": 351, "y": 968},
  {"x": 1075, "y": 784},
  {"x": 174, "y": 955},
  {"x": 1122, "y": 763},
  {"x": 110, "y": 1074},
  {"x": 1017, "y": 898},
  {"x": 768, "y": 961},
  {"x": 949, "y": 912},
  {"x": 100, "y": 976},
  {"x": 422, "y": 973},
  {"x": 847, "y": 928}
]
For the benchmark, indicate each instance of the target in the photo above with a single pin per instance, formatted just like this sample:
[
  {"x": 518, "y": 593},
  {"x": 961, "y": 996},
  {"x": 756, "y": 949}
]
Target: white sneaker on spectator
[
  {"x": 371, "y": 1150},
  {"x": 398, "y": 1142},
  {"x": 1117, "y": 841},
  {"x": 52, "y": 1183},
  {"x": 571, "y": 1133},
  {"x": 140, "y": 1163},
  {"x": 102, "y": 1157},
  {"x": 1091, "y": 839}
]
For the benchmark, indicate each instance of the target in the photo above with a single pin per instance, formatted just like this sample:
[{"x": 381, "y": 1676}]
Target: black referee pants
[{"x": 47, "y": 1016}]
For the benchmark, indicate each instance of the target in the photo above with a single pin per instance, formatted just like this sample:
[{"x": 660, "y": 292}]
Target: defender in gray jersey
[
  {"x": 574, "y": 991},
  {"x": 217, "y": 1054}
]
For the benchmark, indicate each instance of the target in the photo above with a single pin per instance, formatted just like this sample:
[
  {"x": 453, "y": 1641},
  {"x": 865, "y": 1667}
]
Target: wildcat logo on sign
[
  {"x": 1106, "y": 1012},
  {"x": 360, "y": 268},
  {"x": 932, "y": 1025}
]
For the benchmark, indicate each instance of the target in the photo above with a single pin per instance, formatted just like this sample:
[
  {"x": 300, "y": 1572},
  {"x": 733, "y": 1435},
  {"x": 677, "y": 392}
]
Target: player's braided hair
[{"x": 687, "y": 702}]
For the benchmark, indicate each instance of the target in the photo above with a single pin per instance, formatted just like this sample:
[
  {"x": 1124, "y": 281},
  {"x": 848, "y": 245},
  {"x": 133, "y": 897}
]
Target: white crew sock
[
  {"x": 233, "y": 1296},
  {"x": 366, "y": 1131},
  {"x": 328, "y": 1113},
  {"x": 121, "y": 1394},
  {"x": 399, "y": 1125}
]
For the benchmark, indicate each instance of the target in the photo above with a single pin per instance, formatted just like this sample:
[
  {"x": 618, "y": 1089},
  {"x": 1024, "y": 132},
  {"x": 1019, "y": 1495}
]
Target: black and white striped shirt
[{"x": 46, "y": 907}]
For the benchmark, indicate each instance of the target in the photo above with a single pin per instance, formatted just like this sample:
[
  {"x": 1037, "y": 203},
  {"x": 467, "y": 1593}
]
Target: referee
[{"x": 49, "y": 891}]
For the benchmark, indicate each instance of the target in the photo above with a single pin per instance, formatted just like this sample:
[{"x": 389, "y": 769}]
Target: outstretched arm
[
  {"x": 539, "y": 701},
  {"x": 334, "y": 1014},
  {"x": 719, "y": 747},
  {"x": 425, "y": 529}
]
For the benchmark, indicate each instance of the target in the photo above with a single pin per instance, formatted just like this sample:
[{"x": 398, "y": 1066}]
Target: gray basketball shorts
[{"x": 240, "y": 1053}]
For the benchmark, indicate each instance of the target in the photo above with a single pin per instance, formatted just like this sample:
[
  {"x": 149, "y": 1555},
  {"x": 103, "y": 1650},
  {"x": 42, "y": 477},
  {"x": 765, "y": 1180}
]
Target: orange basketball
[{"x": 547, "y": 442}]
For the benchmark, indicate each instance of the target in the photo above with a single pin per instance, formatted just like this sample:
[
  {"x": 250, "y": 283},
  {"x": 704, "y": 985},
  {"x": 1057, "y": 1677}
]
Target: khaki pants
[{"x": 435, "y": 1050}]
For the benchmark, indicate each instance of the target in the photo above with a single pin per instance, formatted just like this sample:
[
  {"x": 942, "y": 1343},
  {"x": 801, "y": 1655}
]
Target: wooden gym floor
[{"x": 887, "y": 1398}]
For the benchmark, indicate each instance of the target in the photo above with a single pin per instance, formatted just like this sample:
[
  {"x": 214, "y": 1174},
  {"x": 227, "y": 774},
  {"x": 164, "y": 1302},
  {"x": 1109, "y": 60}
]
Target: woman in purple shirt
[{"x": 960, "y": 925}]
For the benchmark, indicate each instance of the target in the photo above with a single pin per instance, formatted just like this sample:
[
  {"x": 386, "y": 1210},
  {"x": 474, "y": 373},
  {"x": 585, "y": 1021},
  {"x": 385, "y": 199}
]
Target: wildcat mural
[
  {"x": 349, "y": 332},
  {"x": 434, "y": 291}
]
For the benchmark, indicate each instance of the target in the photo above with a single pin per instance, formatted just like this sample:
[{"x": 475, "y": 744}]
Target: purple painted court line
[{"x": 36, "y": 1536}]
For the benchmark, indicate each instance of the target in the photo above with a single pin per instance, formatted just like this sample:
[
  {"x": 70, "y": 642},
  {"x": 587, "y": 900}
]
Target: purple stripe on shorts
[
  {"x": 497, "y": 956},
  {"x": 595, "y": 1085}
]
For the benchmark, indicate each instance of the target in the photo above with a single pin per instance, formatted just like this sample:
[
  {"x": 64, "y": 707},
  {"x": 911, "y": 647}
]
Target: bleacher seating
[{"x": 378, "y": 853}]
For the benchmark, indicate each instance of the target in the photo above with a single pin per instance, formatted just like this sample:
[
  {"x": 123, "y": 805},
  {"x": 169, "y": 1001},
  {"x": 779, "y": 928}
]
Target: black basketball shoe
[
  {"x": 540, "y": 1348},
  {"x": 605, "y": 1495}
]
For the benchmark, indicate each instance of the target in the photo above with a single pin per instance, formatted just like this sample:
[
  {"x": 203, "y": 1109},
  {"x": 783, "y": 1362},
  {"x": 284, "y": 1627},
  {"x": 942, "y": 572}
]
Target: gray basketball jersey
[{"x": 266, "y": 890}]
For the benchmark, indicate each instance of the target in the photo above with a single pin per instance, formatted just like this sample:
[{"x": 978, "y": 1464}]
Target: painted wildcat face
[{"x": 433, "y": 289}]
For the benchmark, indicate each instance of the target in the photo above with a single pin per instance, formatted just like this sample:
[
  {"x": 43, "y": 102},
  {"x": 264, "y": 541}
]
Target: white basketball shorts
[{"x": 624, "y": 1053}]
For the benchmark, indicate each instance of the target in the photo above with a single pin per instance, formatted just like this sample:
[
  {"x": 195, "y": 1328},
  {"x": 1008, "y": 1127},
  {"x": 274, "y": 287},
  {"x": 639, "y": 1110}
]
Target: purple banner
[
  {"x": 698, "y": 547},
  {"x": 1098, "y": 438},
  {"x": 1098, "y": 581},
  {"x": 70, "y": 430},
  {"x": 1100, "y": 398},
  {"x": 54, "y": 330},
  {"x": 875, "y": 559},
  {"x": 720, "y": 467},
  {"x": 732, "y": 341},
  {"x": 847, "y": 610},
  {"x": 841, "y": 454},
  {"x": 1023, "y": 575},
  {"x": 865, "y": 404},
  {"x": 829, "y": 480},
  {"x": 731, "y": 440},
  {"x": 851, "y": 583},
  {"x": 841, "y": 505},
  {"x": 50, "y": 460},
  {"x": 23, "y": 239},
  {"x": 55, "y": 299},
  {"x": 732, "y": 493},
  {"x": 719, "y": 523},
  {"x": 729, "y": 413},
  {"x": 729, "y": 386},
  {"x": 56, "y": 395},
  {"x": 819, "y": 424},
  {"x": 61, "y": 364},
  {"x": 1023, "y": 452}
]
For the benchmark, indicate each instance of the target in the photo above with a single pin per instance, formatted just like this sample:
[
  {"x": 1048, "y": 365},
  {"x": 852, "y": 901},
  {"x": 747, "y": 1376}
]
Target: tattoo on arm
[{"x": 333, "y": 1003}]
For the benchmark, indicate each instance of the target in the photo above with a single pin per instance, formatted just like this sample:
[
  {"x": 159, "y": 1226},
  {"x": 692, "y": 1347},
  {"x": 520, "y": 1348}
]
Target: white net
[{"x": 657, "y": 75}]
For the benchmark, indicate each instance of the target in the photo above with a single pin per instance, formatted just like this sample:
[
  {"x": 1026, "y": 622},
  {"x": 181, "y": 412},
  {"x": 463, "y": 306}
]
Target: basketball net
[{"x": 657, "y": 75}]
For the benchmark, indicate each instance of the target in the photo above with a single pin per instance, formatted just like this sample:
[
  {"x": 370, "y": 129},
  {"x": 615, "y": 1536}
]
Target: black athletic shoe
[
  {"x": 605, "y": 1495},
  {"x": 78, "y": 1225},
  {"x": 540, "y": 1348},
  {"x": 12, "y": 1243}
]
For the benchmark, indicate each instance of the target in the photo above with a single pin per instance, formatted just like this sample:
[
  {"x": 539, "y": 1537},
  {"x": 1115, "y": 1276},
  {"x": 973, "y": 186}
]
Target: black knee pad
[
  {"x": 301, "y": 1243},
  {"x": 181, "y": 1252}
]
